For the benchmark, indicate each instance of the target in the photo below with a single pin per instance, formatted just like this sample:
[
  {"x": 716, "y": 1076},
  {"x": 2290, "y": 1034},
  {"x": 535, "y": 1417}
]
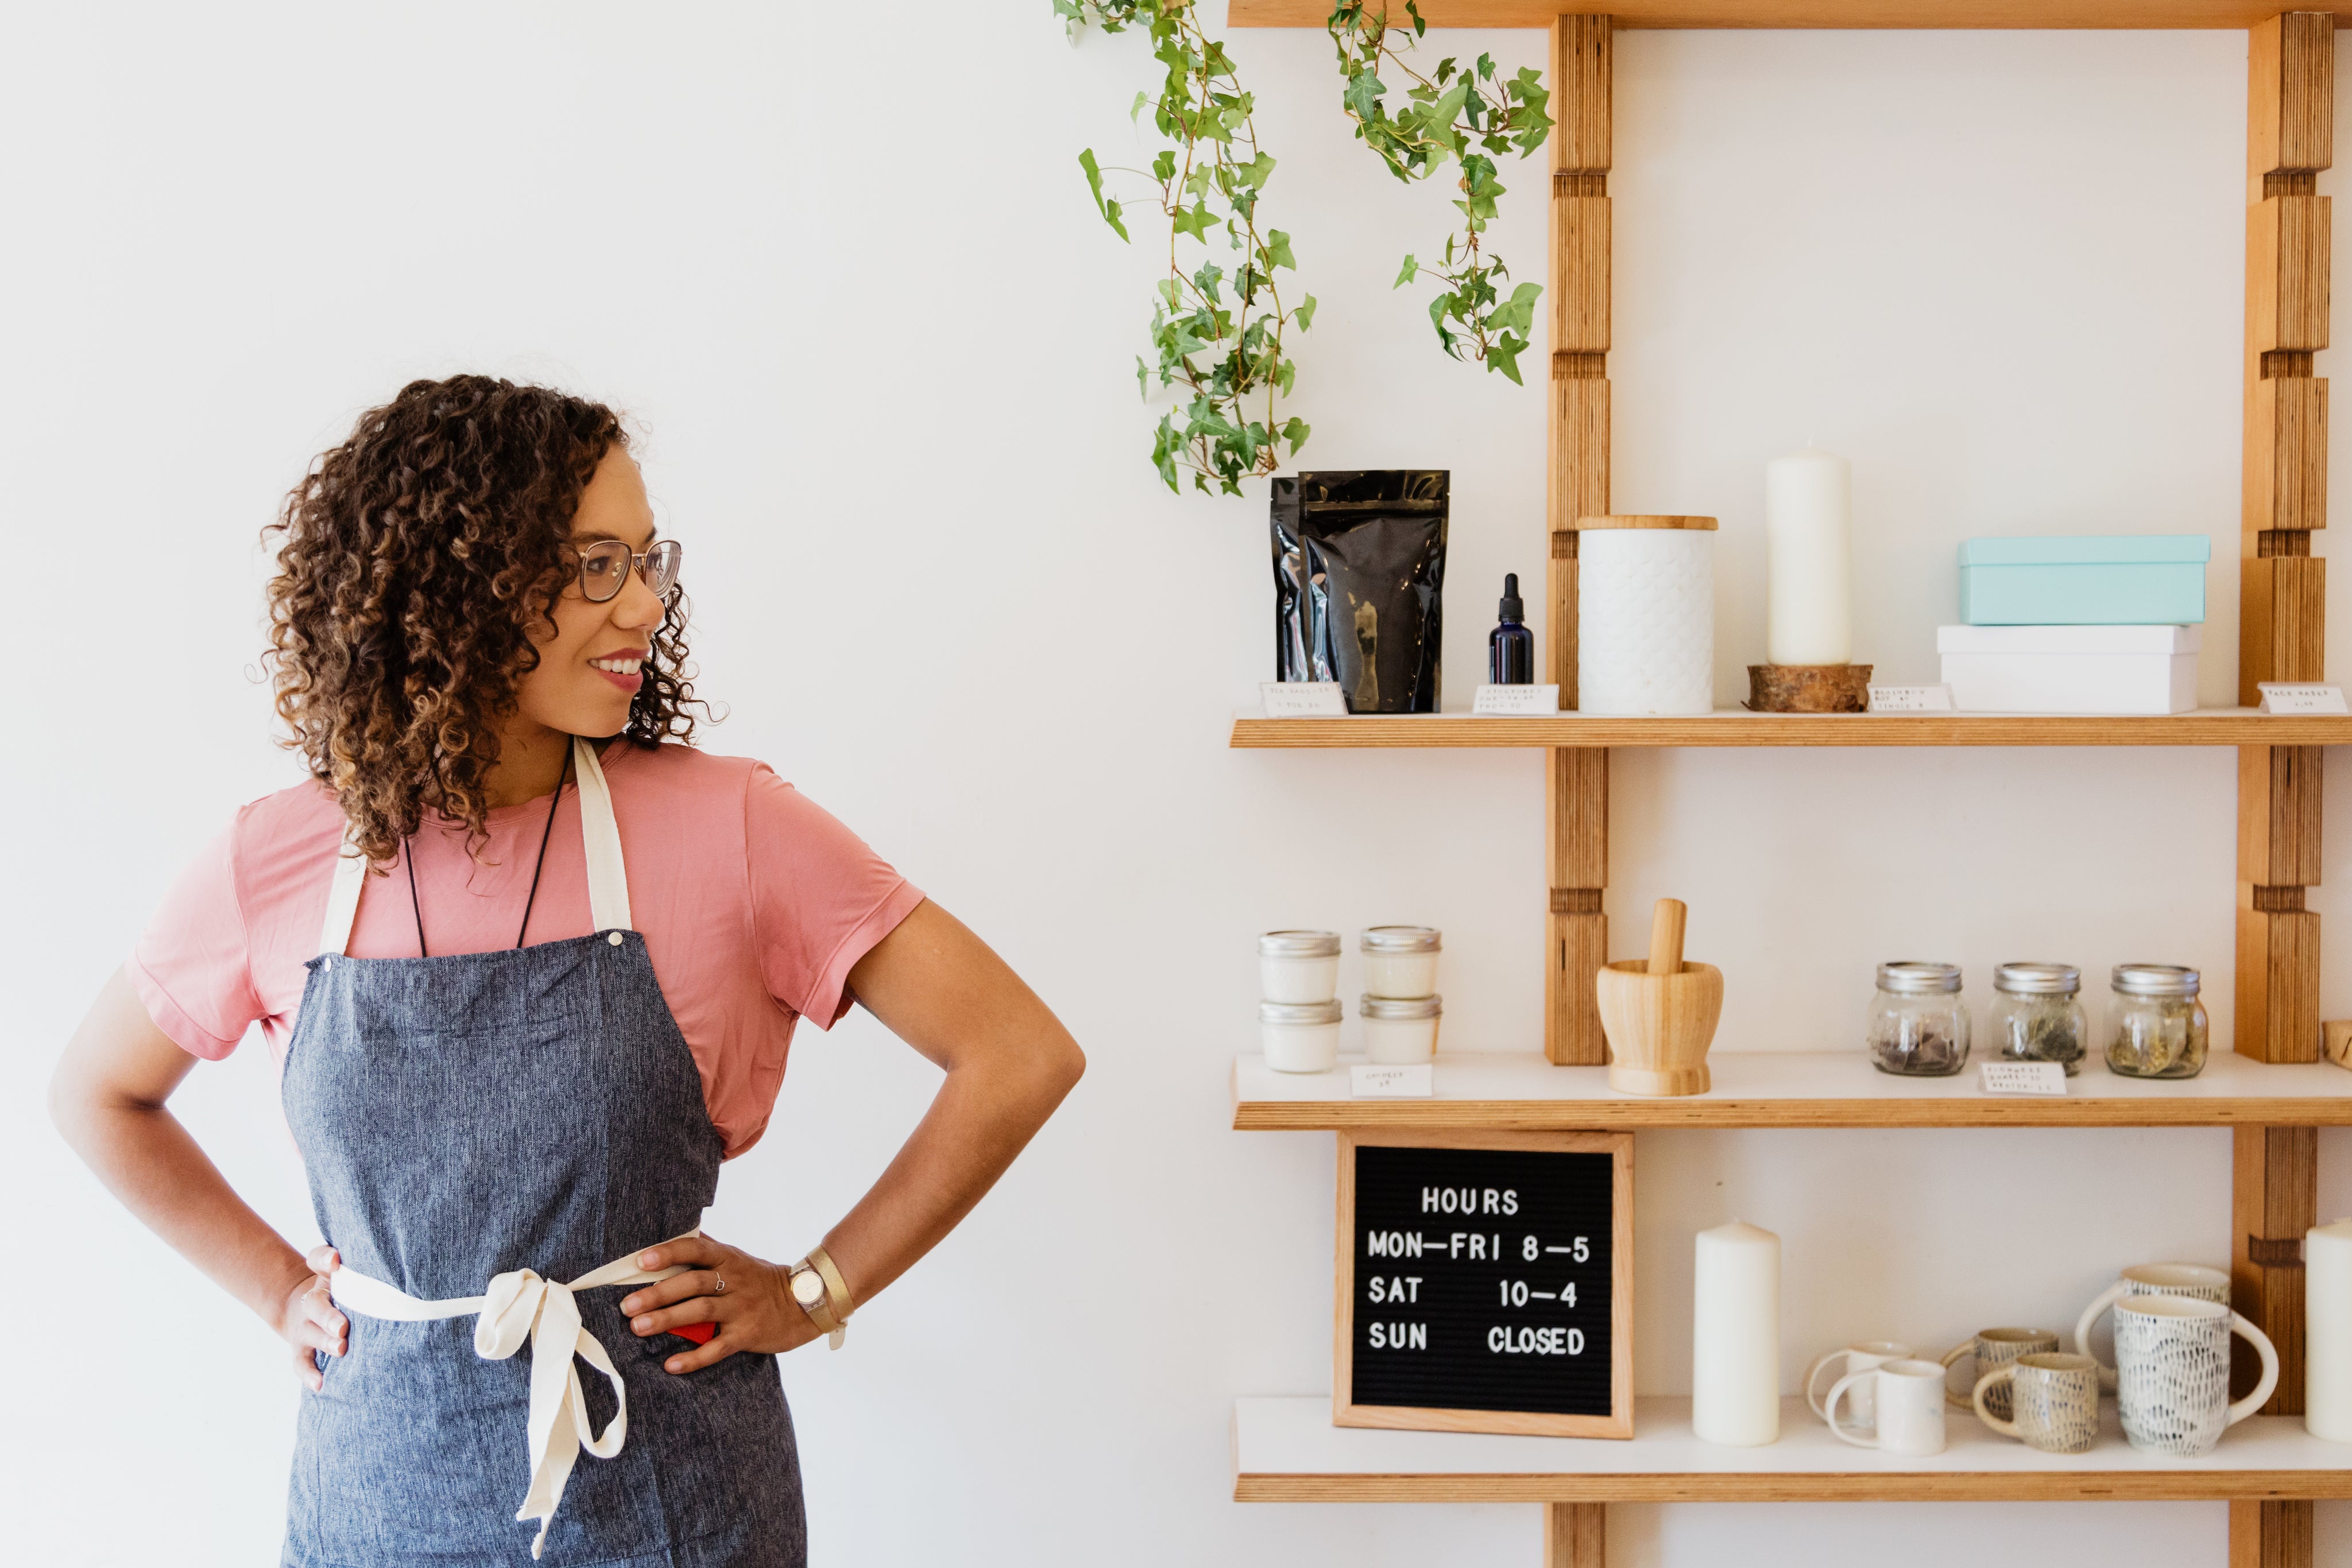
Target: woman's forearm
[
  {"x": 977, "y": 1123},
  {"x": 107, "y": 1100}
]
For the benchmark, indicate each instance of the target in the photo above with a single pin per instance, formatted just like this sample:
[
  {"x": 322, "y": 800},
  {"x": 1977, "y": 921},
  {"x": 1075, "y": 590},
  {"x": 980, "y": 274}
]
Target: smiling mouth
[{"x": 624, "y": 664}]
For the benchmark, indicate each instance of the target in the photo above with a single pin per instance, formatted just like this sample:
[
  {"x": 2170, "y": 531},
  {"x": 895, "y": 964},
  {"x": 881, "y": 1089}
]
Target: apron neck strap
[{"x": 608, "y": 877}]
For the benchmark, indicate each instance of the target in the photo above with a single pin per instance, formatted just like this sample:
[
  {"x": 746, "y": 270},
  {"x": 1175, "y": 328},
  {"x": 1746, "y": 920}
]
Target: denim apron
[{"x": 491, "y": 1138}]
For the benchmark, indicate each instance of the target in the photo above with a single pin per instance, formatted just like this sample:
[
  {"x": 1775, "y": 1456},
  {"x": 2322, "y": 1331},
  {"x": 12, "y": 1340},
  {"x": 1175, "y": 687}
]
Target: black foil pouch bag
[{"x": 1359, "y": 570}]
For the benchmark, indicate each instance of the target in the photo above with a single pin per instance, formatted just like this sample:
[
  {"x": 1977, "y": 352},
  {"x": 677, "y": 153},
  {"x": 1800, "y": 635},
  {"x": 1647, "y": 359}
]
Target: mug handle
[
  {"x": 1814, "y": 1372},
  {"x": 1985, "y": 1386},
  {"x": 1829, "y": 1407},
  {"x": 1956, "y": 1400},
  {"x": 2107, "y": 1298},
  {"x": 2269, "y": 1353}
]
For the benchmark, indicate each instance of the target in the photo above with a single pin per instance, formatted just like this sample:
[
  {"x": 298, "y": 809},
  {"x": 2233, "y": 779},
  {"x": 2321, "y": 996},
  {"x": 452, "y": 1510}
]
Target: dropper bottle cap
[{"x": 1513, "y": 607}]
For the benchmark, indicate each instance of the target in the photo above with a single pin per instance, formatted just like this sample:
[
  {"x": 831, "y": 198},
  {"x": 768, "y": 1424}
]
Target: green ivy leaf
[
  {"x": 1277, "y": 250},
  {"x": 1411, "y": 270},
  {"x": 1304, "y": 314},
  {"x": 1109, "y": 210}
]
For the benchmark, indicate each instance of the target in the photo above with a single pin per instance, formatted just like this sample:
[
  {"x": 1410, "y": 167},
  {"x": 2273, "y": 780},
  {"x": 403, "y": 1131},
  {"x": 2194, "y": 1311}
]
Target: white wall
[{"x": 842, "y": 266}]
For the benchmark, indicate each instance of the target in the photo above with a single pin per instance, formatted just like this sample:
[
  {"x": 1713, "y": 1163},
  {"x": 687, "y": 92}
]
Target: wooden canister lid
[{"x": 1646, "y": 522}]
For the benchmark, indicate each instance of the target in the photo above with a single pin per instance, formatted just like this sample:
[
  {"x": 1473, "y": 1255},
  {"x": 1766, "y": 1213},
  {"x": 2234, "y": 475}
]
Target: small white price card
[
  {"x": 2022, "y": 1078},
  {"x": 1910, "y": 699},
  {"x": 1303, "y": 699},
  {"x": 2282, "y": 696},
  {"x": 1517, "y": 701},
  {"x": 1392, "y": 1083}
]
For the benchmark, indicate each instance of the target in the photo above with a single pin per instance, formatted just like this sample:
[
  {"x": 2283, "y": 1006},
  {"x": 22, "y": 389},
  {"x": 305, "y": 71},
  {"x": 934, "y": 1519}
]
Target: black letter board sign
[{"x": 1486, "y": 1282}]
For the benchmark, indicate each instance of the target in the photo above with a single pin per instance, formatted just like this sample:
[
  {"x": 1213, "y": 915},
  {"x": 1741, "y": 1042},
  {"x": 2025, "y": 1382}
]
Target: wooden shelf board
[
  {"x": 1736, "y": 726},
  {"x": 1890, "y": 14},
  {"x": 1286, "y": 1451},
  {"x": 1520, "y": 1090}
]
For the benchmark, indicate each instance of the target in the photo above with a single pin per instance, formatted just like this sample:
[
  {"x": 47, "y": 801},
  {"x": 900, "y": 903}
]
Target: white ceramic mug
[
  {"x": 2192, "y": 1280},
  {"x": 1910, "y": 1399},
  {"x": 2172, "y": 1355},
  {"x": 1863, "y": 1355}
]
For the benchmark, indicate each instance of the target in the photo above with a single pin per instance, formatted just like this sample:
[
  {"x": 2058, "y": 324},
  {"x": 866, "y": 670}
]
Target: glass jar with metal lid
[
  {"x": 1918, "y": 1024},
  {"x": 2156, "y": 1025},
  {"x": 1401, "y": 961},
  {"x": 1298, "y": 966},
  {"x": 1400, "y": 1031},
  {"x": 2036, "y": 1014}
]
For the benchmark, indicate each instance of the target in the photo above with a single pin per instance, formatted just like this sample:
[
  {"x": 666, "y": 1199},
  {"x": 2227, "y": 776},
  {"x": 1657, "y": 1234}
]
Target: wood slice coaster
[{"x": 1808, "y": 688}]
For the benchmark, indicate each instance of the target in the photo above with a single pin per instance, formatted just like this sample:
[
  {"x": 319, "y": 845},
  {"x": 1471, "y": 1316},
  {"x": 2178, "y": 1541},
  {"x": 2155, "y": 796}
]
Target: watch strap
[{"x": 831, "y": 1313}]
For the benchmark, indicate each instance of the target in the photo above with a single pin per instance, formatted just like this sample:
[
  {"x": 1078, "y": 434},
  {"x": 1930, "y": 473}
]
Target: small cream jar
[
  {"x": 1398, "y": 1032},
  {"x": 1298, "y": 966},
  {"x": 1300, "y": 1037},
  {"x": 1401, "y": 961}
]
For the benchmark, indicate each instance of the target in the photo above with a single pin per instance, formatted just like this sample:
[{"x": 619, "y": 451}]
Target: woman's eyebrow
[{"x": 601, "y": 534}]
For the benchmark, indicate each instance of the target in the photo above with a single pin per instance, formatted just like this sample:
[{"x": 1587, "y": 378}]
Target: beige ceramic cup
[
  {"x": 1996, "y": 1348},
  {"x": 2055, "y": 1398}
]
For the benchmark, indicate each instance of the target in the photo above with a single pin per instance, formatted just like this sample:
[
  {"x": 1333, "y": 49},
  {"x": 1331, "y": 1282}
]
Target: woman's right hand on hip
[{"x": 309, "y": 1320}]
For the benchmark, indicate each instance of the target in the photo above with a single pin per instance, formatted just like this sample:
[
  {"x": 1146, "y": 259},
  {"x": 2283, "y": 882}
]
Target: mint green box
[{"x": 2101, "y": 580}]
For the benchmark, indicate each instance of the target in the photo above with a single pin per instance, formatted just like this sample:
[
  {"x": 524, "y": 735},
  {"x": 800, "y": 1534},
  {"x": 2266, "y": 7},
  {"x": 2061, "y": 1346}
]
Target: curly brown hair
[{"x": 415, "y": 560}]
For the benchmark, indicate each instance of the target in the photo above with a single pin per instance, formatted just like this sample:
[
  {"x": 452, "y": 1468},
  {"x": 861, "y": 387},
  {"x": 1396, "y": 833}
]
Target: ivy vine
[
  {"x": 1454, "y": 118},
  {"x": 1217, "y": 330}
]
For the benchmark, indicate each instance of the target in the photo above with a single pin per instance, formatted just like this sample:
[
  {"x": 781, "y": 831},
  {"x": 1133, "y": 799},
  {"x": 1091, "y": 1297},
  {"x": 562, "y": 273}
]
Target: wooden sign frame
[{"x": 1619, "y": 1422}]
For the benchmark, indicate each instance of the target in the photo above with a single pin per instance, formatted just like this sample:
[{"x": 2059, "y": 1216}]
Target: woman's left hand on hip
[{"x": 724, "y": 1285}]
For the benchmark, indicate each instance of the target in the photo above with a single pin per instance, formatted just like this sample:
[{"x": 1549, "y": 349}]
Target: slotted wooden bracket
[
  {"x": 1577, "y": 782},
  {"x": 1576, "y": 1535}
]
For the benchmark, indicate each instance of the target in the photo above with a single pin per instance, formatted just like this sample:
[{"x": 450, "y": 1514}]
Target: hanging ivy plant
[
  {"x": 1216, "y": 330},
  {"x": 1218, "y": 327},
  {"x": 1451, "y": 119}
]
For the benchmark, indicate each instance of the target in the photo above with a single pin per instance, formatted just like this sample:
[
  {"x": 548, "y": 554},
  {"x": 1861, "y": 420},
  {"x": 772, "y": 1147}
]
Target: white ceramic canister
[
  {"x": 1646, "y": 616},
  {"x": 1401, "y": 961},
  {"x": 1400, "y": 1031},
  {"x": 1298, "y": 966},
  {"x": 1300, "y": 1037}
]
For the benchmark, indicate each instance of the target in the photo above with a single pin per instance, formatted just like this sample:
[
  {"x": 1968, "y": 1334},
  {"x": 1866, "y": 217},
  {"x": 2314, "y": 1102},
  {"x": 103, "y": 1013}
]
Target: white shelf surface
[
  {"x": 1286, "y": 1451},
  {"x": 1811, "y": 1089}
]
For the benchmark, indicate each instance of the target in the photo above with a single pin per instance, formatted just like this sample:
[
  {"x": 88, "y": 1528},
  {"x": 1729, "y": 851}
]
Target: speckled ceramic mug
[
  {"x": 1995, "y": 1348},
  {"x": 2174, "y": 1356},
  {"x": 2195, "y": 1280},
  {"x": 2055, "y": 1398}
]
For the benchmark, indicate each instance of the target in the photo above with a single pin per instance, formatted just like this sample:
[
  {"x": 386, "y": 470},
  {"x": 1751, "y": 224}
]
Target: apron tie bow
[{"x": 521, "y": 1306}]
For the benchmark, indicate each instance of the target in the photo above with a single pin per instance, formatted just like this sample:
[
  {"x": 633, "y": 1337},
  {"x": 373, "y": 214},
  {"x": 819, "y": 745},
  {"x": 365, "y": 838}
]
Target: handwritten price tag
[
  {"x": 2282, "y": 696},
  {"x": 1517, "y": 702},
  {"x": 1910, "y": 699},
  {"x": 1392, "y": 1083},
  {"x": 2022, "y": 1078},
  {"x": 1303, "y": 699}
]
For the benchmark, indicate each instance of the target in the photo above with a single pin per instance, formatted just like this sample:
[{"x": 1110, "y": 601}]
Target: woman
[{"x": 530, "y": 965}]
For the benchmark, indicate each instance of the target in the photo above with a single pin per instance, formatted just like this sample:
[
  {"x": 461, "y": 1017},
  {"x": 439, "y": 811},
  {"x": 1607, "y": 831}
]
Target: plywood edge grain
[
  {"x": 1859, "y": 1486},
  {"x": 2205, "y": 726},
  {"x": 1608, "y": 1116},
  {"x": 2004, "y": 15}
]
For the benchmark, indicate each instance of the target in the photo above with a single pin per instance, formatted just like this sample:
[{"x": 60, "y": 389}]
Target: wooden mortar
[
  {"x": 1659, "y": 1014},
  {"x": 1809, "y": 688}
]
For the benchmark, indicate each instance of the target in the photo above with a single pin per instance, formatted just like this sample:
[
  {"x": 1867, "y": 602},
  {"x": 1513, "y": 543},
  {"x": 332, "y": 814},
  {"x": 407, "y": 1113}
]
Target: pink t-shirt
[{"x": 754, "y": 904}]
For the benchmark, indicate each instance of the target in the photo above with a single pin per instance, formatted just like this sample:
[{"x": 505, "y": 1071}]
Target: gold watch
[{"x": 818, "y": 1289}]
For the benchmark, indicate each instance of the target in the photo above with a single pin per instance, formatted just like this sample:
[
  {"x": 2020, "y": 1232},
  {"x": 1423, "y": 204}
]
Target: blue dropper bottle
[{"x": 1511, "y": 650}]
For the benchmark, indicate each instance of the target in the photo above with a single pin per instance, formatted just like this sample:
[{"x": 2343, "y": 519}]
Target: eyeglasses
[{"x": 605, "y": 568}]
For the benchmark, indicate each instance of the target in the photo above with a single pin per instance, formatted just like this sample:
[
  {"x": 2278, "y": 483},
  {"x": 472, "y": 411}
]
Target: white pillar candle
[
  {"x": 1809, "y": 559},
  {"x": 1736, "y": 1336},
  {"x": 2327, "y": 1331}
]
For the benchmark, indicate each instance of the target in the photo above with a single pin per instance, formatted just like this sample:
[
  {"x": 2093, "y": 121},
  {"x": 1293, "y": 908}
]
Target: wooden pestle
[{"x": 1667, "y": 936}]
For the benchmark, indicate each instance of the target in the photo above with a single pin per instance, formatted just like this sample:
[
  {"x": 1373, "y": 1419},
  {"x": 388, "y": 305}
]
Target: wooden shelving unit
[
  {"x": 1286, "y": 1451},
  {"x": 1736, "y": 726},
  {"x": 2274, "y": 1093},
  {"x": 1521, "y": 1092}
]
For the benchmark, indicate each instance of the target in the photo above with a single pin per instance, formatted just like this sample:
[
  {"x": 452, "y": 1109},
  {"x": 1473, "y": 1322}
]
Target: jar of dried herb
[
  {"x": 2156, "y": 1025},
  {"x": 2035, "y": 1014},
  {"x": 1918, "y": 1025}
]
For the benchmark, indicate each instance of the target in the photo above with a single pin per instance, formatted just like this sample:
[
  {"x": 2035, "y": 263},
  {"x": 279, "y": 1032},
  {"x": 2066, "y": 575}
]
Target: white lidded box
[{"x": 2070, "y": 669}]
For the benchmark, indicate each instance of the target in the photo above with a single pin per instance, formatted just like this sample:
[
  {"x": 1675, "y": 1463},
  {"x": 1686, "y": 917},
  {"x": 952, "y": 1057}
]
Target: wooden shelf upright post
[
  {"x": 2290, "y": 137},
  {"x": 1577, "y": 786}
]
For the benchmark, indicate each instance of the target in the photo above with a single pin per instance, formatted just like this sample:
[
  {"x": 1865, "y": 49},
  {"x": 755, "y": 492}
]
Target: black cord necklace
[{"x": 408, "y": 854}]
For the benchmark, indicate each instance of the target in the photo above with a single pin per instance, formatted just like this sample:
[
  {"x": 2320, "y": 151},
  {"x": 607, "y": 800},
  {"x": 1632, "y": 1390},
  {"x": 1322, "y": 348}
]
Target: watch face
[{"x": 808, "y": 1289}]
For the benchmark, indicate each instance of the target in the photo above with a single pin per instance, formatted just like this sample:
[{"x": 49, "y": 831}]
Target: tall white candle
[
  {"x": 1809, "y": 559},
  {"x": 2327, "y": 1330},
  {"x": 1736, "y": 1336}
]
